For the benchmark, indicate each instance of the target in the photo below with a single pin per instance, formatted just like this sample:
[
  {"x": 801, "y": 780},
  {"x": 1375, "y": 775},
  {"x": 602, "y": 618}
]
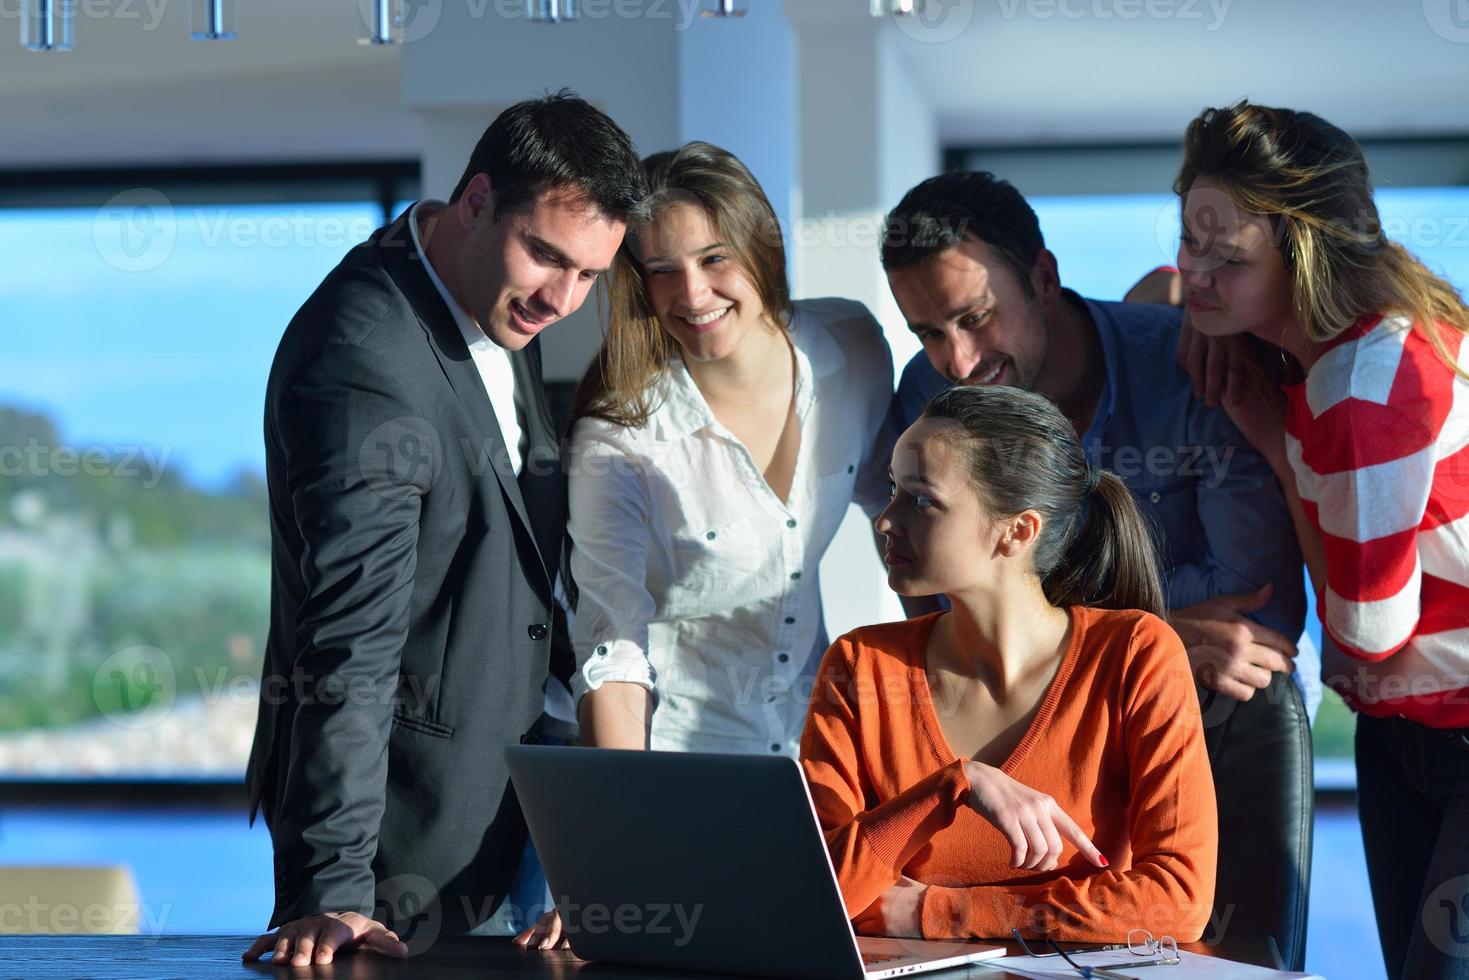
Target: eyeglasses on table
[{"x": 1140, "y": 943}]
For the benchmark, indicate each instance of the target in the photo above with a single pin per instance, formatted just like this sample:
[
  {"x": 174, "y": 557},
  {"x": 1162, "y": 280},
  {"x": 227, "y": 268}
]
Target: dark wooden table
[{"x": 450, "y": 958}]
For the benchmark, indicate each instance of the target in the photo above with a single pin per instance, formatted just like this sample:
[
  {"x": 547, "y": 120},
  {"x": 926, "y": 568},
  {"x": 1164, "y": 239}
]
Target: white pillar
[{"x": 867, "y": 135}]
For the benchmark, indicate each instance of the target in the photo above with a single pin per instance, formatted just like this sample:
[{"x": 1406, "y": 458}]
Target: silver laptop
[{"x": 703, "y": 862}]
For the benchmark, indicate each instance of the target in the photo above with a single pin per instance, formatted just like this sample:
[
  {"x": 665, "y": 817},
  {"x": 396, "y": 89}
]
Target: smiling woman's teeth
[
  {"x": 990, "y": 375},
  {"x": 700, "y": 321}
]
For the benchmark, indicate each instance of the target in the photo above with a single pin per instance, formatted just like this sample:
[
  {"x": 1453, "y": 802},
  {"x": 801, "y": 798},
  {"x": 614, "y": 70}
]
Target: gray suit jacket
[{"x": 411, "y": 599}]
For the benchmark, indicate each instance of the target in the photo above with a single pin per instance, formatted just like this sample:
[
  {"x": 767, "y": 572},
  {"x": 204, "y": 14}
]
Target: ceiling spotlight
[
  {"x": 377, "y": 18},
  {"x": 207, "y": 21},
  {"x": 895, "y": 8},
  {"x": 396, "y": 21},
  {"x": 381, "y": 20},
  {"x": 724, "y": 8},
  {"x": 48, "y": 25},
  {"x": 550, "y": 11}
]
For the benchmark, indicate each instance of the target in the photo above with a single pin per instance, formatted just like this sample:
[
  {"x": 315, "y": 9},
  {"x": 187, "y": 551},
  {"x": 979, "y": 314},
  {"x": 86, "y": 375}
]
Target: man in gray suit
[{"x": 417, "y": 512}]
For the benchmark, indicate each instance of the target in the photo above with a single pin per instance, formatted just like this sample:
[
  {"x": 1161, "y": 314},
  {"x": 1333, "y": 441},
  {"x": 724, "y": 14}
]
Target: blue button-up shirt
[{"x": 1224, "y": 524}]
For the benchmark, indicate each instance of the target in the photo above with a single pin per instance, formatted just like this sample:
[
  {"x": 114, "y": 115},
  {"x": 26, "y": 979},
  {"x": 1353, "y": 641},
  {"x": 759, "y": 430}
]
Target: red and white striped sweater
[{"x": 1378, "y": 437}]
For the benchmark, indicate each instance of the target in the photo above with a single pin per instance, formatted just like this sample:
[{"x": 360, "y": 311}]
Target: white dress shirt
[
  {"x": 490, "y": 359},
  {"x": 493, "y": 363},
  {"x": 696, "y": 580}
]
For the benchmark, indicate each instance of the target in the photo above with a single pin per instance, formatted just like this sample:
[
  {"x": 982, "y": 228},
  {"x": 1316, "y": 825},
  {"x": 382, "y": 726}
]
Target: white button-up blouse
[{"x": 695, "y": 579}]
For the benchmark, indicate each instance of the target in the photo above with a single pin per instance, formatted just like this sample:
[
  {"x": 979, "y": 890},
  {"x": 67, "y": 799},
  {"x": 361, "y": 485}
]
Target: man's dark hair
[
  {"x": 559, "y": 141},
  {"x": 938, "y": 213}
]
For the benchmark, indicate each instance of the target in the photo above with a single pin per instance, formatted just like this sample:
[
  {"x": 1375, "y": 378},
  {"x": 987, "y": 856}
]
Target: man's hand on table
[
  {"x": 1228, "y": 652},
  {"x": 317, "y": 938},
  {"x": 545, "y": 934}
]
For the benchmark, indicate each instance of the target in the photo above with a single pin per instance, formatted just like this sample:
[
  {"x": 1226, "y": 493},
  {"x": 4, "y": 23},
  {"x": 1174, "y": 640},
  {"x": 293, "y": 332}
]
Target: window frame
[{"x": 384, "y": 182}]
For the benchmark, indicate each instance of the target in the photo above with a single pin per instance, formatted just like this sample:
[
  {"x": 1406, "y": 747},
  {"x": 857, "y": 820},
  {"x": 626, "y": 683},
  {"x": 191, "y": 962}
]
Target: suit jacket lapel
[
  {"x": 403, "y": 262},
  {"x": 541, "y": 482}
]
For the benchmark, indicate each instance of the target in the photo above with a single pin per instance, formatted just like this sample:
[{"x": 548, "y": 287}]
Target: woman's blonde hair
[
  {"x": 618, "y": 385},
  {"x": 1310, "y": 179}
]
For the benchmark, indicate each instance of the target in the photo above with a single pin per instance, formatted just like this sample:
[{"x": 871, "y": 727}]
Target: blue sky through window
[{"x": 159, "y": 331}]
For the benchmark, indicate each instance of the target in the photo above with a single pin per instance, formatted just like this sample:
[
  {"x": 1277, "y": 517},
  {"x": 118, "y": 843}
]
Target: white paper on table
[{"x": 1193, "y": 966}]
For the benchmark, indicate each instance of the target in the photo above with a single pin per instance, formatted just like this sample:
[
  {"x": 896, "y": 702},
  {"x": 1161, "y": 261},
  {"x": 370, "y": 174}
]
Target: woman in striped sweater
[{"x": 1349, "y": 372}]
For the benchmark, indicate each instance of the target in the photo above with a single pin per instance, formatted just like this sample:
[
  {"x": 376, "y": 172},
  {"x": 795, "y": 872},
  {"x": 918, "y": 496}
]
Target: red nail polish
[{"x": 1105, "y": 862}]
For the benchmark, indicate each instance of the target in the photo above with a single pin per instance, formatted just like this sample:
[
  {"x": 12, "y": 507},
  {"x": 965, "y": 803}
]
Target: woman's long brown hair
[{"x": 618, "y": 386}]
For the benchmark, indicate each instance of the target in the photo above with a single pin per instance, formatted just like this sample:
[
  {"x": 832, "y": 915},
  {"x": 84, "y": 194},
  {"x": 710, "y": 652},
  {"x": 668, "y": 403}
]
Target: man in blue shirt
[{"x": 968, "y": 267}]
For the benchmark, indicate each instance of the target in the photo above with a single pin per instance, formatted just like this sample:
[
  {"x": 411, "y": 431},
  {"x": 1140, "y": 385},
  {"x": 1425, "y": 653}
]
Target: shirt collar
[
  {"x": 681, "y": 408},
  {"x": 814, "y": 342},
  {"x": 683, "y": 411},
  {"x": 1107, "y": 400},
  {"x": 474, "y": 337}
]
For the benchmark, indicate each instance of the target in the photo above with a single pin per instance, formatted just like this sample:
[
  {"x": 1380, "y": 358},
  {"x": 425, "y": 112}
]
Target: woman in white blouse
[{"x": 721, "y": 434}]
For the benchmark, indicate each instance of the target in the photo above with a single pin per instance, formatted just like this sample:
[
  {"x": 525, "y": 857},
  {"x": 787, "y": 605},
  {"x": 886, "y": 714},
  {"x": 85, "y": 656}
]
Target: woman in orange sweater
[{"x": 963, "y": 763}]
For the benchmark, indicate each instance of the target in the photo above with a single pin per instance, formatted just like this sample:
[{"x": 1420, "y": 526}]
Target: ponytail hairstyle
[
  {"x": 1023, "y": 454},
  {"x": 1310, "y": 179}
]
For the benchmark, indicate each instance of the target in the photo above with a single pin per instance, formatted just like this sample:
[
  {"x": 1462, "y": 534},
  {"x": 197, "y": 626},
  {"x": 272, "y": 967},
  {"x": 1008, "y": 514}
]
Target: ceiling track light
[
  {"x": 48, "y": 25},
  {"x": 381, "y": 20},
  {"x": 724, "y": 8},
  {"x": 208, "y": 21},
  {"x": 550, "y": 11}
]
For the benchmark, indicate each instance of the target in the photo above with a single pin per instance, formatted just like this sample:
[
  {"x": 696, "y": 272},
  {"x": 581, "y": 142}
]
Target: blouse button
[
  {"x": 1155, "y": 496},
  {"x": 775, "y": 746},
  {"x": 791, "y": 522},
  {"x": 711, "y": 535},
  {"x": 851, "y": 468},
  {"x": 790, "y": 620},
  {"x": 783, "y": 657},
  {"x": 795, "y": 575},
  {"x": 602, "y": 650}
]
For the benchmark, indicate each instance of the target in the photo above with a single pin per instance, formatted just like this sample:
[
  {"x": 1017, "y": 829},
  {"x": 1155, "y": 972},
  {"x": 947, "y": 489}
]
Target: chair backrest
[
  {"x": 59, "y": 899},
  {"x": 1260, "y": 751}
]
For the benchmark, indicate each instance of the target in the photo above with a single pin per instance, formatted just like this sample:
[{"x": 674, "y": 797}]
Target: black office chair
[{"x": 1260, "y": 751}]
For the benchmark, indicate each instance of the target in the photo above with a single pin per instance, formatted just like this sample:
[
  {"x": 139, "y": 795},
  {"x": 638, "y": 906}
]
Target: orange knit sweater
[{"x": 1117, "y": 742}]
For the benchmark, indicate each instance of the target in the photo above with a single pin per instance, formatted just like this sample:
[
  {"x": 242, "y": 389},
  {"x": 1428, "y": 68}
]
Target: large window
[{"x": 134, "y": 544}]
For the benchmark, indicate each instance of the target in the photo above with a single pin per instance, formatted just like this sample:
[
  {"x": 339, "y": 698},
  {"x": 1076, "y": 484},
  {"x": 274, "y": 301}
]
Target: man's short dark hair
[
  {"x": 558, "y": 142},
  {"x": 938, "y": 213}
]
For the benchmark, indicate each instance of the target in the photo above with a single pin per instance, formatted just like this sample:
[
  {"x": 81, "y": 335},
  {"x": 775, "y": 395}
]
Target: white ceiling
[
  {"x": 296, "y": 86},
  {"x": 1069, "y": 71}
]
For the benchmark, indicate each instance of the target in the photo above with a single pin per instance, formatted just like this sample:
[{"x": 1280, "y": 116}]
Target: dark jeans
[{"x": 1413, "y": 798}]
